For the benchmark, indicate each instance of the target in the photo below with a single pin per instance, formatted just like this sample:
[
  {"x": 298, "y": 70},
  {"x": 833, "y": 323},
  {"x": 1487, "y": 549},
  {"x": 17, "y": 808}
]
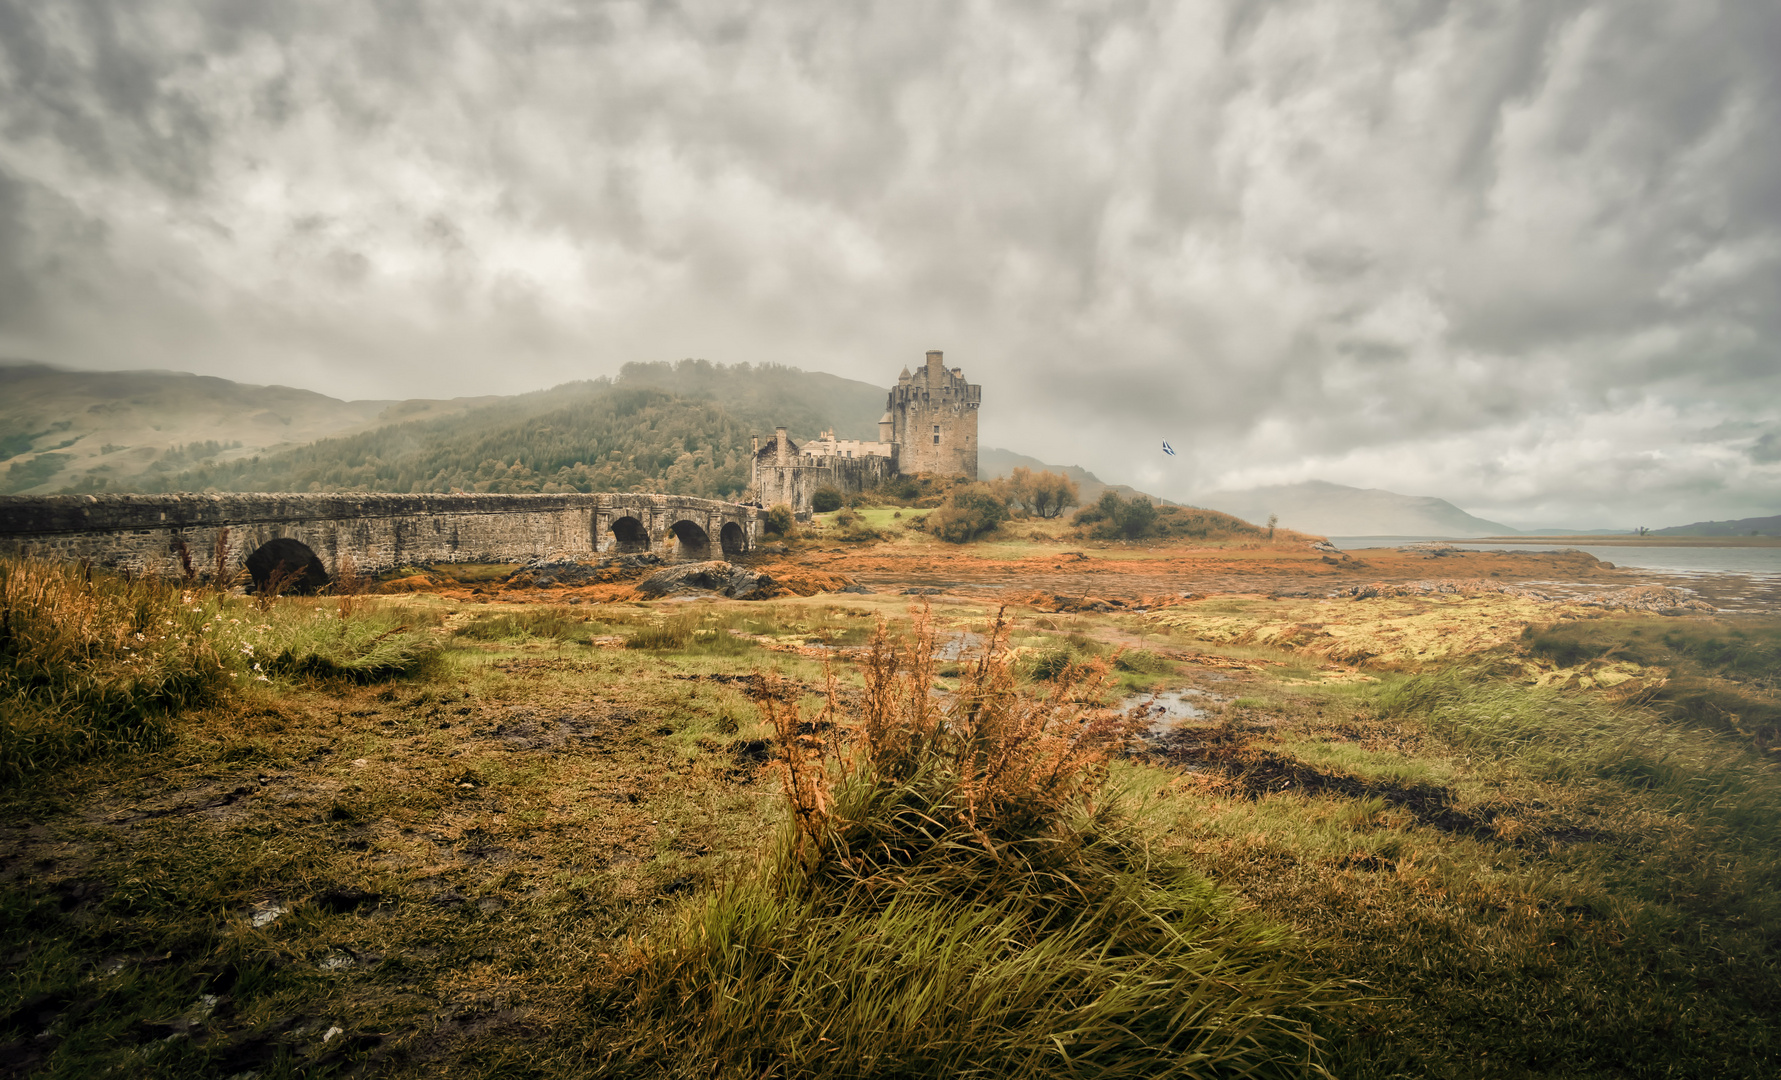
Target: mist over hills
[
  {"x": 1755, "y": 526},
  {"x": 89, "y": 430},
  {"x": 1316, "y": 506},
  {"x": 682, "y": 428}
]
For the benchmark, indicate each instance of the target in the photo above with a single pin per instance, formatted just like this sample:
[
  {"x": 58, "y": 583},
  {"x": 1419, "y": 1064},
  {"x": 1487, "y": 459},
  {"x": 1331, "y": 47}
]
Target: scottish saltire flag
[{"x": 1167, "y": 449}]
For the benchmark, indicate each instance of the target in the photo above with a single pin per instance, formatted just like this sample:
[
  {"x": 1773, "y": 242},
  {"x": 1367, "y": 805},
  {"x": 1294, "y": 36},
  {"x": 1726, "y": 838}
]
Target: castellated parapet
[{"x": 929, "y": 426}]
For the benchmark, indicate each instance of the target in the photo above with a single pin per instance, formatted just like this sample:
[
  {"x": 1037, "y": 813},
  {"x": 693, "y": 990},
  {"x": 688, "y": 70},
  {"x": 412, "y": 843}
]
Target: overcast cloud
[{"x": 1524, "y": 256}]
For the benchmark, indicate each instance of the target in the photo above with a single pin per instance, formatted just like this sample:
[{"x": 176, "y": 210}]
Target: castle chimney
[
  {"x": 783, "y": 450},
  {"x": 935, "y": 367},
  {"x": 755, "y": 441}
]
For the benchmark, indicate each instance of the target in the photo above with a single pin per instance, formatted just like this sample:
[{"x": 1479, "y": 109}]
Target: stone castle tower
[
  {"x": 929, "y": 426},
  {"x": 931, "y": 418}
]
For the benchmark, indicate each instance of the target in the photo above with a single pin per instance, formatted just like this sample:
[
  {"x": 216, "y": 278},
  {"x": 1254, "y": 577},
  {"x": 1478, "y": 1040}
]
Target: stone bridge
[{"x": 174, "y": 535}]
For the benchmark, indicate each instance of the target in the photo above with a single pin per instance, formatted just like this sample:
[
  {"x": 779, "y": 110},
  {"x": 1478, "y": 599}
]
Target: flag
[{"x": 1167, "y": 449}]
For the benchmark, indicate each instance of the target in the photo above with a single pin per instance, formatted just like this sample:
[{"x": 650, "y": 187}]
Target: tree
[
  {"x": 1053, "y": 493},
  {"x": 1273, "y": 520},
  {"x": 825, "y": 499}
]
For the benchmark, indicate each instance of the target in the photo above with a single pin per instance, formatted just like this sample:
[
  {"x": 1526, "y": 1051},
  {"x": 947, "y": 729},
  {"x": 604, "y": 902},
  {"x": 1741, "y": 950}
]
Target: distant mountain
[
  {"x": 1316, "y": 506},
  {"x": 92, "y": 430},
  {"x": 1757, "y": 526},
  {"x": 993, "y": 463}
]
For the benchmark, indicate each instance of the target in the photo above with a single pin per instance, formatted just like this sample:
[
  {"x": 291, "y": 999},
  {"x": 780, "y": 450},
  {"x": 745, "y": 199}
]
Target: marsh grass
[
  {"x": 1569, "y": 738},
  {"x": 93, "y": 661},
  {"x": 954, "y": 897},
  {"x": 90, "y": 661},
  {"x": 551, "y": 623}
]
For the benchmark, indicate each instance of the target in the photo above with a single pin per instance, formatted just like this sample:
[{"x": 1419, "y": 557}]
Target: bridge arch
[
  {"x": 629, "y": 535},
  {"x": 733, "y": 540},
  {"x": 285, "y": 565},
  {"x": 169, "y": 535},
  {"x": 691, "y": 540}
]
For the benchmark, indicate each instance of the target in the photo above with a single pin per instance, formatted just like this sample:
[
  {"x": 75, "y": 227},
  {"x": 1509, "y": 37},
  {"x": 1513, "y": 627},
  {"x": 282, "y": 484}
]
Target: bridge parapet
[{"x": 376, "y": 531}]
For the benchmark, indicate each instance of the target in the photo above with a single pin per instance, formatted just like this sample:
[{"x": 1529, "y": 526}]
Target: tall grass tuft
[
  {"x": 955, "y": 896},
  {"x": 91, "y": 661}
]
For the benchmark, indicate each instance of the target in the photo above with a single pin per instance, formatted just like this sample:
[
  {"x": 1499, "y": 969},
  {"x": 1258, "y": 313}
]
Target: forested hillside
[
  {"x": 677, "y": 428},
  {"x": 101, "y": 430}
]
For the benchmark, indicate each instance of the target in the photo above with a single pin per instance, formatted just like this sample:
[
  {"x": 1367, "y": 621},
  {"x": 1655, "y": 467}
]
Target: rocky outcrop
[
  {"x": 553, "y": 573},
  {"x": 722, "y": 578}
]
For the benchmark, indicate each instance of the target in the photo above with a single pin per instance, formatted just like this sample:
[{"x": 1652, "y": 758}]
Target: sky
[{"x": 1524, "y": 256}]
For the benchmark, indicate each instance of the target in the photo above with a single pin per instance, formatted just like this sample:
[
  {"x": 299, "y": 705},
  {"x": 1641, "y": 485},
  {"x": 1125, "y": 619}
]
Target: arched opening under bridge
[
  {"x": 629, "y": 535},
  {"x": 691, "y": 540},
  {"x": 733, "y": 539},
  {"x": 286, "y": 567}
]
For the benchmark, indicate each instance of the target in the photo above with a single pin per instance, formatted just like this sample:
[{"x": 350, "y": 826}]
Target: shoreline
[{"x": 1627, "y": 541}]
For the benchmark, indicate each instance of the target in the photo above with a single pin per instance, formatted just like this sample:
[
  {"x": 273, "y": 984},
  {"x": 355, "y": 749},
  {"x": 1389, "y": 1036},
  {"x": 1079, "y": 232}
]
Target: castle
[{"x": 929, "y": 426}]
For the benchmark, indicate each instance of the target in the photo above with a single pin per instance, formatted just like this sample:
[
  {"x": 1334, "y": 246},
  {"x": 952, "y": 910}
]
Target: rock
[
  {"x": 554, "y": 572},
  {"x": 856, "y": 587},
  {"x": 725, "y": 579}
]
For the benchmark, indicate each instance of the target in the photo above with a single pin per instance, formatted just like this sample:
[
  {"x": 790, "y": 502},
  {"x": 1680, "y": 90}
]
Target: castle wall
[
  {"x": 146, "y": 533},
  {"x": 795, "y": 478}
]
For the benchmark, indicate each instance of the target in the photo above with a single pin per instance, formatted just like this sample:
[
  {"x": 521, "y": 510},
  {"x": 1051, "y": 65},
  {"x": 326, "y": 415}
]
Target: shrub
[
  {"x": 825, "y": 500},
  {"x": 967, "y": 513},
  {"x": 1114, "y": 518},
  {"x": 780, "y": 521},
  {"x": 851, "y": 527}
]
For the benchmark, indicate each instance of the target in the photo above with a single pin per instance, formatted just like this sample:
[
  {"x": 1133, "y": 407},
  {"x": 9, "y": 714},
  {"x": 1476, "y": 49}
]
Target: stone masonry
[
  {"x": 149, "y": 534},
  {"x": 929, "y": 426}
]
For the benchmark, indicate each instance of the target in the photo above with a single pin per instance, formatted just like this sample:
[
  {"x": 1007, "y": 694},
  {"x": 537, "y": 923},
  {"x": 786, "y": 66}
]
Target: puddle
[
  {"x": 1168, "y": 708},
  {"x": 960, "y": 645}
]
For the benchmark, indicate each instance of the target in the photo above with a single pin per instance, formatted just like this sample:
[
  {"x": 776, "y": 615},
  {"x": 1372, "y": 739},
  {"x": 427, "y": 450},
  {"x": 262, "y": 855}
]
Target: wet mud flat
[{"x": 1110, "y": 576}]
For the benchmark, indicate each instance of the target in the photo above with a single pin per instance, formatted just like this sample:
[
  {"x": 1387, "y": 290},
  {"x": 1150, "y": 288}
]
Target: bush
[
  {"x": 967, "y": 513},
  {"x": 825, "y": 500},
  {"x": 780, "y": 521},
  {"x": 851, "y": 527},
  {"x": 1114, "y": 518}
]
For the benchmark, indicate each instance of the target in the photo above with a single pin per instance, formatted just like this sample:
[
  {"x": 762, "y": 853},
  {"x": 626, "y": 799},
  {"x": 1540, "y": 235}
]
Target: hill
[
  {"x": 993, "y": 463},
  {"x": 681, "y": 428},
  {"x": 167, "y": 431},
  {"x": 99, "y": 430},
  {"x": 1316, "y": 506},
  {"x": 1756, "y": 526}
]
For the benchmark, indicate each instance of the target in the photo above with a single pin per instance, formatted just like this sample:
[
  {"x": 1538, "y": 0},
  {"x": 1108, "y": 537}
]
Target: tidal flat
[{"x": 1472, "y": 830}]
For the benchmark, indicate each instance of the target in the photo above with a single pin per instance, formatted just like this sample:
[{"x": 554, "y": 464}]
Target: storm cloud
[{"x": 1524, "y": 256}]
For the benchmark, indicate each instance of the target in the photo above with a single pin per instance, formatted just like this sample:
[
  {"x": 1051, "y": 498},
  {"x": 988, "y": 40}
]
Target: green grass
[
  {"x": 576, "y": 866},
  {"x": 91, "y": 661},
  {"x": 1121, "y": 967}
]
